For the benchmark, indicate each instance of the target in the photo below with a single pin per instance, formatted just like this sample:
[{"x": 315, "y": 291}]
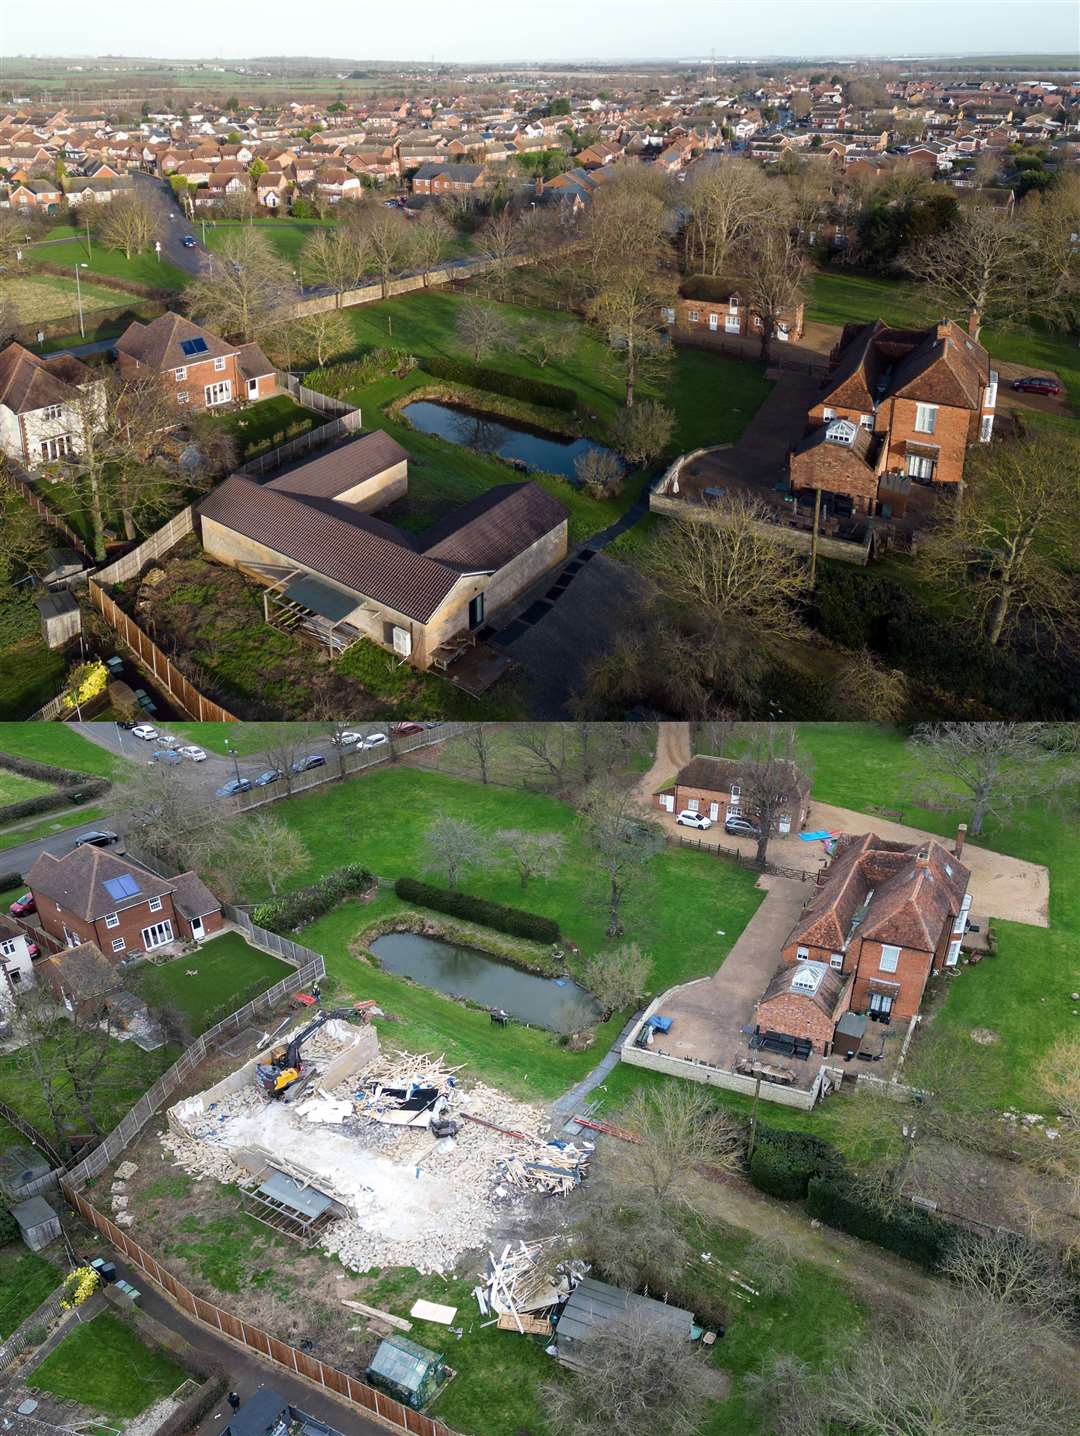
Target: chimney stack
[
  {"x": 923, "y": 860},
  {"x": 961, "y": 838}
]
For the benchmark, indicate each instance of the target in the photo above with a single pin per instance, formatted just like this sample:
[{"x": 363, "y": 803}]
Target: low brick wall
[{"x": 718, "y": 1077}]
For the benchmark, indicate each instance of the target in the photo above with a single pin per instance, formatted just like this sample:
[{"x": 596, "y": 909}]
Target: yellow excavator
[{"x": 286, "y": 1070}]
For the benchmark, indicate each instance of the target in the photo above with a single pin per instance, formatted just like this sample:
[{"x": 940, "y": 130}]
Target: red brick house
[
  {"x": 725, "y": 312},
  {"x": 884, "y": 916},
  {"x": 923, "y": 396},
  {"x": 200, "y": 370},
  {"x": 91, "y": 895},
  {"x": 438, "y": 178},
  {"x": 715, "y": 787}
]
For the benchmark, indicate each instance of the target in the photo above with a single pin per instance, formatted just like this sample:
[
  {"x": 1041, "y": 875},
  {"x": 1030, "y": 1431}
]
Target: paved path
[
  {"x": 672, "y": 754},
  {"x": 570, "y": 1102}
]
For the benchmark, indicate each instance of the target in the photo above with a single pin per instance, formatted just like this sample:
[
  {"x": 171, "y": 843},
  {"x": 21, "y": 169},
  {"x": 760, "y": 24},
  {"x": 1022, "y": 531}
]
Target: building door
[
  {"x": 714, "y": 321},
  {"x": 197, "y": 930},
  {"x": 881, "y": 1005},
  {"x": 476, "y": 611},
  {"x": 253, "y": 388},
  {"x": 783, "y": 824},
  {"x": 157, "y": 935},
  {"x": 219, "y": 393},
  {"x": 668, "y": 802},
  {"x": 953, "y": 954},
  {"x": 783, "y": 333},
  {"x": 714, "y": 811}
]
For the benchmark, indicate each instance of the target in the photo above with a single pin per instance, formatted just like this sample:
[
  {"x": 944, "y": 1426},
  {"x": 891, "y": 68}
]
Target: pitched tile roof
[
  {"x": 338, "y": 470},
  {"x": 158, "y": 344},
  {"x": 716, "y": 775},
  {"x": 28, "y": 382},
  {"x": 938, "y": 365},
  {"x": 829, "y": 989},
  {"x": 192, "y": 897},
  {"x": 76, "y": 882},
  {"x": 494, "y": 528},
  {"x": 253, "y": 362}
]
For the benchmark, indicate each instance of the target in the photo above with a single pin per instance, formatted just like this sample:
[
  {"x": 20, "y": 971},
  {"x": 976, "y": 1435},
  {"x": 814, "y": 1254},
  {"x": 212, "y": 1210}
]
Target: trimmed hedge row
[
  {"x": 292, "y": 910},
  {"x": 65, "y": 780},
  {"x": 918, "y": 1236},
  {"x": 512, "y": 920},
  {"x": 785, "y": 1162},
  {"x": 107, "y": 281},
  {"x": 19, "y": 618},
  {"x": 514, "y": 386}
]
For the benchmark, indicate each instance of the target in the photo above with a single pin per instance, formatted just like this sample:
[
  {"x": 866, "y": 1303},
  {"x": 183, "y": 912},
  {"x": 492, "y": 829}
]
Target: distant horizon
[{"x": 704, "y": 58}]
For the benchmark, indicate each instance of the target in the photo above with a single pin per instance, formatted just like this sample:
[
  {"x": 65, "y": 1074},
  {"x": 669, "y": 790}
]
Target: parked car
[
  {"x": 100, "y": 838},
  {"x": 144, "y": 731},
  {"x": 188, "y": 241},
  {"x": 313, "y": 760},
  {"x": 166, "y": 755},
  {"x": 234, "y": 786},
  {"x": 741, "y": 827},
  {"x": 272, "y": 775},
  {"x": 690, "y": 819},
  {"x": 1038, "y": 384},
  {"x": 373, "y": 740},
  {"x": 405, "y": 729},
  {"x": 32, "y": 949},
  {"x": 197, "y": 755},
  {"x": 167, "y": 740},
  {"x": 23, "y": 905}
]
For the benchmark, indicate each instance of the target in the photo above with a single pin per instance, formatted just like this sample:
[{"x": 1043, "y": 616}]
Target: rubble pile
[{"x": 527, "y": 1279}]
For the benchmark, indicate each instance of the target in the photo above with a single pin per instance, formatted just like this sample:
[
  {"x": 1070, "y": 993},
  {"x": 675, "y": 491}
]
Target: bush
[
  {"x": 108, "y": 281},
  {"x": 292, "y": 910},
  {"x": 18, "y": 618},
  {"x": 512, "y": 920},
  {"x": 784, "y": 1162},
  {"x": 9, "y": 1227},
  {"x": 337, "y": 379},
  {"x": 514, "y": 386},
  {"x": 66, "y": 781},
  {"x": 914, "y": 1235}
]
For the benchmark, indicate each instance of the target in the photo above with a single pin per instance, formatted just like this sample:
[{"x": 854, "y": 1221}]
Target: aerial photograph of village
[{"x": 540, "y": 720}]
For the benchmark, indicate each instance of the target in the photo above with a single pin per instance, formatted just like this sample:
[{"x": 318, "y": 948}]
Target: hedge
[
  {"x": 514, "y": 386},
  {"x": 784, "y": 1162},
  {"x": 291, "y": 910},
  {"x": 107, "y": 281},
  {"x": 9, "y": 1227},
  {"x": 512, "y": 920},
  {"x": 338, "y": 379},
  {"x": 19, "y": 618},
  {"x": 917, "y": 1236},
  {"x": 66, "y": 782}
]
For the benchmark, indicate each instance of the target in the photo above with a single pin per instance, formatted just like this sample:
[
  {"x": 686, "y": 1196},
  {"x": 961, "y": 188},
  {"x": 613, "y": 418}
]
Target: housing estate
[
  {"x": 43, "y": 404},
  {"x": 91, "y": 895},
  {"x": 898, "y": 406},
  {"x": 884, "y": 916},
  {"x": 337, "y": 573},
  {"x": 718, "y": 788},
  {"x": 197, "y": 368}
]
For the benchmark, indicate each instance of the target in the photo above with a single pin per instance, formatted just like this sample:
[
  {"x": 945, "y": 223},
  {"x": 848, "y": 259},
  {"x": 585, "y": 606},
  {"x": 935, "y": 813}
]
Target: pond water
[
  {"x": 534, "y": 448},
  {"x": 558, "y": 1004}
]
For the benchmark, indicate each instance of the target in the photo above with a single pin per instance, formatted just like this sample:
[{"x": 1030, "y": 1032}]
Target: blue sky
[{"x": 515, "y": 30}]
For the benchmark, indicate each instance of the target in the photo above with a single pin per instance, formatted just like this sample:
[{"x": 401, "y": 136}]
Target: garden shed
[
  {"x": 594, "y": 1305},
  {"x": 410, "y": 1373},
  {"x": 38, "y": 1223},
  {"x": 21, "y": 1165}
]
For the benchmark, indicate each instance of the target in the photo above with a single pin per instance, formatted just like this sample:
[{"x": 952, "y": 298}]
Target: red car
[
  {"x": 21, "y": 906},
  {"x": 403, "y": 729},
  {"x": 1038, "y": 384}
]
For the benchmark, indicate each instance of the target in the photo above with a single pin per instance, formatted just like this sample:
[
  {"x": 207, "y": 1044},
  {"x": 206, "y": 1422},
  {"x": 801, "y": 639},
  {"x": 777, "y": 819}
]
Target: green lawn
[
  {"x": 61, "y": 745},
  {"x": 143, "y": 268},
  {"x": 288, "y": 237},
  {"x": 269, "y": 421},
  {"x": 26, "y": 1279},
  {"x": 245, "y": 738},
  {"x": 44, "y": 297},
  {"x": 230, "y": 973},
  {"x": 105, "y": 1366},
  {"x": 14, "y": 788},
  {"x": 30, "y": 674}
]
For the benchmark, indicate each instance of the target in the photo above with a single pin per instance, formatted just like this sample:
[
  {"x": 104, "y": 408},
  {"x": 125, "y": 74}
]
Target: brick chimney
[
  {"x": 961, "y": 838},
  {"x": 539, "y": 186},
  {"x": 922, "y": 861},
  {"x": 943, "y": 329}
]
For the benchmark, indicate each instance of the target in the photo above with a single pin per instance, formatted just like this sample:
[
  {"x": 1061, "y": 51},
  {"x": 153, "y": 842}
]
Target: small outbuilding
[
  {"x": 594, "y": 1305},
  {"x": 21, "y": 1165},
  {"x": 38, "y": 1223},
  {"x": 406, "y": 1371},
  {"x": 61, "y": 618}
]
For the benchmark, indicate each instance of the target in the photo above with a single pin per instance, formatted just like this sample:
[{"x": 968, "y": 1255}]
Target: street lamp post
[
  {"x": 78, "y": 294},
  {"x": 232, "y": 753}
]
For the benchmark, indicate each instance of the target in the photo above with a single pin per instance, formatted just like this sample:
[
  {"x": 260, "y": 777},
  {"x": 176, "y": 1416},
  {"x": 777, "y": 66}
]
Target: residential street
[{"x": 174, "y": 225}]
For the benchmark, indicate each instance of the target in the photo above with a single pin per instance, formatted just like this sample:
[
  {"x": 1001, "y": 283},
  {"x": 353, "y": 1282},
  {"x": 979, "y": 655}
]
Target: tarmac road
[{"x": 174, "y": 225}]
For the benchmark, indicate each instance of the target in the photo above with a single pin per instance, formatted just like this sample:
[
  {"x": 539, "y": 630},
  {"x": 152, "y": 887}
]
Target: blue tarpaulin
[
  {"x": 817, "y": 837},
  {"x": 662, "y": 1024}
]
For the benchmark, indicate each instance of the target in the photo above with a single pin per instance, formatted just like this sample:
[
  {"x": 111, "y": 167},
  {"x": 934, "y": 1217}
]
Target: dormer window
[{"x": 841, "y": 431}]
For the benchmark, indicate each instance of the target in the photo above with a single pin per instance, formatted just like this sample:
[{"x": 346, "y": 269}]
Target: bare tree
[
  {"x": 620, "y": 843},
  {"x": 453, "y": 844},
  {"x": 9, "y": 319},
  {"x": 169, "y": 824},
  {"x": 987, "y": 767},
  {"x": 482, "y": 328},
  {"x": 547, "y": 750},
  {"x": 643, "y": 432},
  {"x": 617, "y": 978},
  {"x": 247, "y": 288},
  {"x": 268, "y": 853},
  {"x": 638, "y": 1382},
  {"x": 534, "y": 855},
  {"x": 769, "y": 770},
  {"x": 600, "y": 471},
  {"x": 632, "y": 1240},
  {"x": 774, "y": 267},
  {"x": 217, "y": 448},
  {"x": 1000, "y": 1266},
  {"x": 498, "y": 241},
  {"x": 724, "y": 202},
  {"x": 323, "y": 335},
  {"x": 337, "y": 256},
  {"x": 478, "y": 741},
  {"x": 865, "y": 689},
  {"x": 985, "y": 262},
  {"x": 679, "y": 1128},
  {"x": 285, "y": 744},
  {"x": 23, "y": 537},
  {"x": 128, "y": 222},
  {"x": 546, "y": 341},
  {"x": 432, "y": 242},
  {"x": 12, "y": 238},
  {"x": 1055, "y": 217},
  {"x": 1007, "y": 543},
  {"x": 626, "y": 308},
  {"x": 390, "y": 238}
]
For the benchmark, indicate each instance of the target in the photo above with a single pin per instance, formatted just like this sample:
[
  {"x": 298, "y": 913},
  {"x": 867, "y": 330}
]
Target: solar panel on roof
[
  {"x": 193, "y": 346},
  {"x": 124, "y": 886}
]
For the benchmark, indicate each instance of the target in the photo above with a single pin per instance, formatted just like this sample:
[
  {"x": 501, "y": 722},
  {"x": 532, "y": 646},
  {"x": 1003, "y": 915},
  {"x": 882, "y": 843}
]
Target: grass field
[
  {"x": 44, "y": 297},
  {"x": 63, "y": 746},
  {"x": 14, "y": 788},
  {"x": 143, "y": 268},
  {"x": 287, "y": 237},
  {"x": 229, "y": 972},
  {"x": 26, "y": 1279},
  {"x": 105, "y": 1366},
  {"x": 30, "y": 674}
]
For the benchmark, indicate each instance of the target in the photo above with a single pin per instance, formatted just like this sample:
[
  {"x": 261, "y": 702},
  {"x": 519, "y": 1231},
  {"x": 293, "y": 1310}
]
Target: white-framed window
[
  {"x": 219, "y": 393},
  {"x": 714, "y": 322},
  {"x": 71, "y": 938},
  {"x": 734, "y": 809},
  {"x": 836, "y": 960},
  {"x": 986, "y": 428},
  {"x": 52, "y": 411},
  {"x": 866, "y": 421},
  {"x": 219, "y": 364},
  {"x": 920, "y": 466},
  {"x": 733, "y": 304},
  {"x": 155, "y": 904},
  {"x": 828, "y": 413},
  {"x": 890, "y": 957},
  {"x": 925, "y": 418},
  {"x": 802, "y": 954},
  {"x": 157, "y": 935},
  {"x": 7, "y": 947},
  {"x": 960, "y": 925},
  {"x": 56, "y": 447},
  {"x": 181, "y": 374},
  {"x": 693, "y": 804},
  {"x": 118, "y": 944},
  {"x": 182, "y": 397},
  {"x": 881, "y": 1002},
  {"x": 736, "y": 790},
  {"x": 732, "y": 323},
  {"x": 112, "y": 919},
  {"x": 693, "y": 315},
  {"x": 990, "y": 398},
  {"x": 669, "y": 316}
]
